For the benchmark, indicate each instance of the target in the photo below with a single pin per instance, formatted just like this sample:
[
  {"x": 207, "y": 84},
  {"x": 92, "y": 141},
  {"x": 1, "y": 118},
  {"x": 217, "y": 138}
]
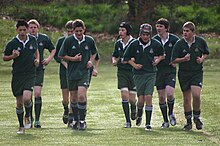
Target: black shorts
[
  {"x": 186, "y": 79},
  {"x": 21, "y": 83}
]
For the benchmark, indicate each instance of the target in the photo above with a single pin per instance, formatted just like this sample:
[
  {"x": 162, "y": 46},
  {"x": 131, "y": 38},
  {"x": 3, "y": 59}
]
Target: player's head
[
  {"x": 21, "y": 22},
  {"x": 145, "y": 33},
  {"x": 69, "y": 27},
  {"x": 34, "y": 26},
  {"x": 164, "y": 22},
  {"x": 188, "y": 30},
  {"x": 145, "y": 28},
  {"x": 35, "y": 22},
  {"x": 79, "y": 28},
  {"x": 190, "y": 25},
  {"x": 127, "y": 26},
  {"x": 21, "y": 28}
]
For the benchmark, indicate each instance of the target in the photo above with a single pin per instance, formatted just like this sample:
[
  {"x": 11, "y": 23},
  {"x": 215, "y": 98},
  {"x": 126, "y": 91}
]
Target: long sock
[
  {"x": 37, "y": 108},
  {"x": 163, "y": 108},
  {"x": 170, "y": 105},
  {"x": 140, "y": 111},
  {"x": 75, "y": 111},
  {"x": 133, "y": 106},
  {"x": 188, "y": 116},
  {"x": 71, "y": 117},
  {"x": 31, "y": 110},
  {"x": 196, "y": 114},
  {"x": 82, "y": 110},
  {"x": 20, "y": 115},
  {"x": 28, "y": 109},
  {"x": 125, "y": 106},
  {"x": 148, "y": 111},
  {"x": 66, "y": 108}
]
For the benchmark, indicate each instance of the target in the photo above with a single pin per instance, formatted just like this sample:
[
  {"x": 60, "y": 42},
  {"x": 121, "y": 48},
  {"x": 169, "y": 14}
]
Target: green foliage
[
  {"x": 98, "y": 18},
  {"x": 206, "y": 19}
]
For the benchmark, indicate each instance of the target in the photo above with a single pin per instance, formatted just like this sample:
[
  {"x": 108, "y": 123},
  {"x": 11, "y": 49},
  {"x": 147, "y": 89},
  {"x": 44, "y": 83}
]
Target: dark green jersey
[
  {"x": 24, "y": 63},
  {"x": 71, "y": 47},
  {"x": 119, "y": 52},
  {"x": 44, "y": 42},
  {"x": 144, "y": 55},
  {"x": 197, "y": 49},
  {"x": 58, "y": 60},
  {"x": 164, "y": 65}
]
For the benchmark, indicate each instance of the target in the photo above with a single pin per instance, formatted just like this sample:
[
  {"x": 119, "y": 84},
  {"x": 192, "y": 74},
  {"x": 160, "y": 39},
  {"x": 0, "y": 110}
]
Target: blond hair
[{"x": 34, "y": 21}]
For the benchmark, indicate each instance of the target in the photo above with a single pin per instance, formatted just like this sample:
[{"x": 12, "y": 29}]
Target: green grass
[{"x": 105, "y": 117}]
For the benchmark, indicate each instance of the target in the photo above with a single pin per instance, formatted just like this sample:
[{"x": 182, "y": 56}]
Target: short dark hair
[
  {"x": 21, "y": 22},
  {"x": 78, "y": 23},
  {"x": 164, "y": 22}
]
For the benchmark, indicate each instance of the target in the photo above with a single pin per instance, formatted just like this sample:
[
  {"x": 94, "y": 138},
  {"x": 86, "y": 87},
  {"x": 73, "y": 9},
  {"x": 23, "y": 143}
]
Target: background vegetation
[{"x": 102, "y": 16}]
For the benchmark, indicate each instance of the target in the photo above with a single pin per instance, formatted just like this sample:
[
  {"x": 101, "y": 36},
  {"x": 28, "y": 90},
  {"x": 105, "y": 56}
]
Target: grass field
[{"x": 105, "y": 118}]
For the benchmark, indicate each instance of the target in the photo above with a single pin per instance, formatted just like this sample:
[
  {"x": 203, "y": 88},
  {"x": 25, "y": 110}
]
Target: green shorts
[
  {"x": 145, "y": 83},
  {"x": 21, "y": 83},
  {"x": 39, "y": 78},
  {"x": 186, "y": 79},
  {"x": 84, "y": 81},
  {"x": 165, "y": 78},
  {"x": 125, "y": 80}
]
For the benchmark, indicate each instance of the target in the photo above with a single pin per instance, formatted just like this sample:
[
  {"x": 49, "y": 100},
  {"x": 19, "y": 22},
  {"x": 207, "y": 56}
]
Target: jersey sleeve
[
  {"x": 129, "y": 53},
  {"x": 58, "y": 46},
  {"x": 63, "y": 50},
  {"x": 115, "y": 53},
  {"x": 49, "y": 45}
]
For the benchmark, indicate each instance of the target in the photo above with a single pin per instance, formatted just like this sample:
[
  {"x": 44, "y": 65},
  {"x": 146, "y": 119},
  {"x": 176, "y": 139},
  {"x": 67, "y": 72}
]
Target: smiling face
[{"x": 79, "y": 32}]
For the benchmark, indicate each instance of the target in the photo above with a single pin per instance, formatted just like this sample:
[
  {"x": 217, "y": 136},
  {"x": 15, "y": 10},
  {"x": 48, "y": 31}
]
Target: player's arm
[
  {"x": 49, "y": 58},
  {"x": 92, "y": 58},
  {"x": 37, "y": 58},
  {"x": 115, "y": 60},
  {"x": 96, "y": 67},
  {"x": 15, "y": 54},
  {"x": 202, "y": 59},
  {"x": 183, "y": 59}
]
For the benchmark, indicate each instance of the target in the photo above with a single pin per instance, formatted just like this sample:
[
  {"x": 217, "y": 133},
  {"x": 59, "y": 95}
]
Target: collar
[
  {"x": 146, "y": 45},
  {"x": 23, "y": 42},
  {"x": 190, "y": 43},
  {"x": 164, "y": 41},
  {"x": 83, "y": 39},
  {"x": 129, "y": 40}
]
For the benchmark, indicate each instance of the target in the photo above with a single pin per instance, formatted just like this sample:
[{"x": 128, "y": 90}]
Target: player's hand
[
  {"x": 45, "y": 61},
  {"x": 94, "y": 73},
  {"x": 114, "y": 62},
  {"x": 155, "y": 61},
  {"x": 78, "y": 57},
  {"x": 15, "y": 53},
  {"x": 89, "y": 64},
  {"x": 187, "y": 57},
  {"x": 64, "y": 63},
  {"x": 199, "y": 60},
  {"x": 138, "y": 66},
  {"x": 172, "y": 64},
  {"x": 36, "y": 62}
]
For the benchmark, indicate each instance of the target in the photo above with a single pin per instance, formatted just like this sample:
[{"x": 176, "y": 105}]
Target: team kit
[{"x": 142, "y": 63}]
